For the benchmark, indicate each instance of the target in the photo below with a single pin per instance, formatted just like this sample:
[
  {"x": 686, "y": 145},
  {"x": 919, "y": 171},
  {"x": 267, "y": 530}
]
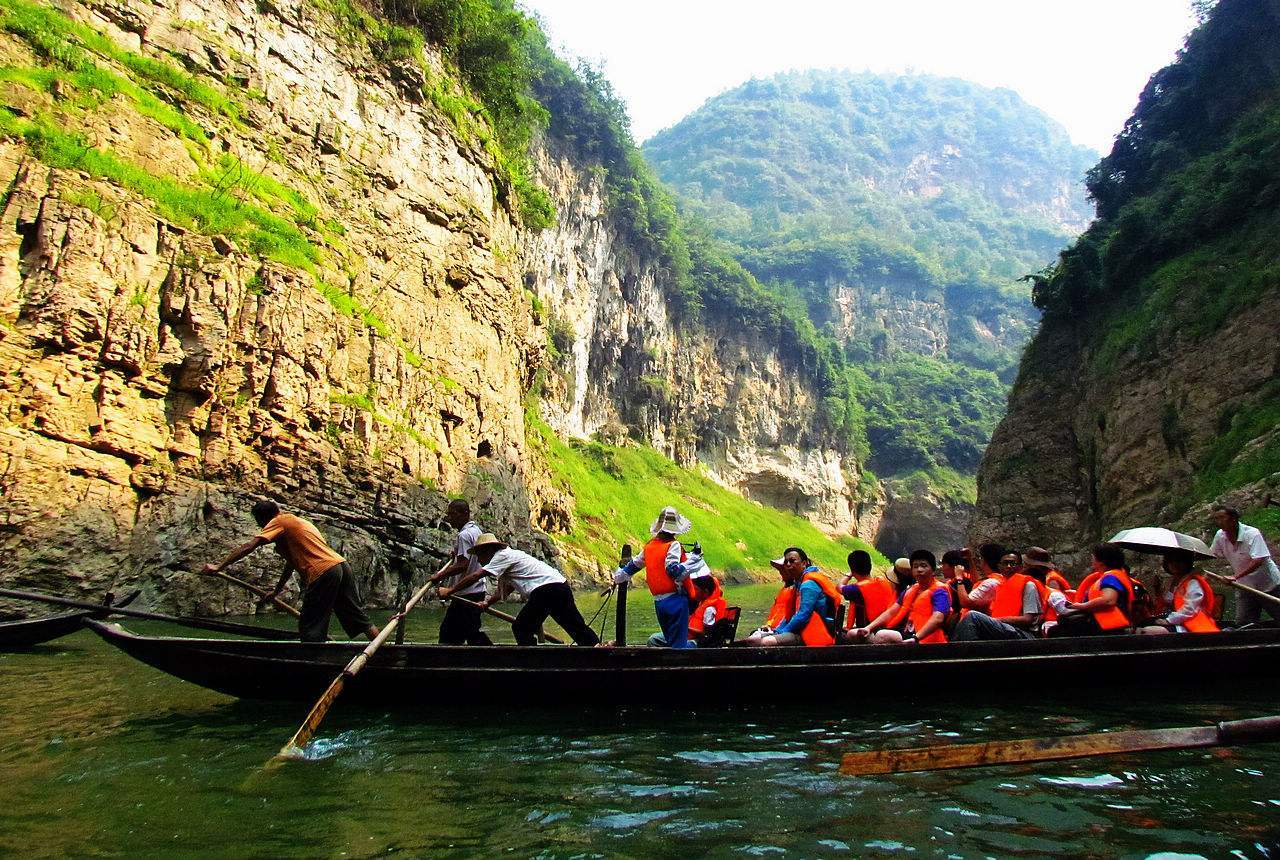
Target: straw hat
[
  {"x": 778, "y": 562},
  {"x": 670, "y": 521},
  {"x": 1038, "y": 556},
  {"x": 486, "y": 539}
]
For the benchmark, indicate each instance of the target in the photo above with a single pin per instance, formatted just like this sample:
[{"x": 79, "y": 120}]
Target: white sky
[{"x": 1081, "y": 61}]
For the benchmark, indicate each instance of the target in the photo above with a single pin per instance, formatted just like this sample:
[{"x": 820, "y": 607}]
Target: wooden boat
[
  {"x": 29, "y": 632},
  {"x": 436, "y": 675}
]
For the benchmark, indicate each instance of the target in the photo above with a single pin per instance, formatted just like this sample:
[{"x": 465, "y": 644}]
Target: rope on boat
[{"x": 600, "y": 612}]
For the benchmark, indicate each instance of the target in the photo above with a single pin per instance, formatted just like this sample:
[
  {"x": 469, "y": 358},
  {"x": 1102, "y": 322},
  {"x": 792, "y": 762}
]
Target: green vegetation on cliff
[
  {"x": 1187, "y": 237},
  {"x": 618, "y": 490}
]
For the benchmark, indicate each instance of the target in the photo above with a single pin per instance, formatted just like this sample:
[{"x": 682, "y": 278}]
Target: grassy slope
[{"x": 619, "y": 491}]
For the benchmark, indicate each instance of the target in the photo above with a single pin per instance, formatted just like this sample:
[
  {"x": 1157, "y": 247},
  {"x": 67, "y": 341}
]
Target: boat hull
[
  {"x": 437, "y": 675},
  {"x": 16, "y": 635}
]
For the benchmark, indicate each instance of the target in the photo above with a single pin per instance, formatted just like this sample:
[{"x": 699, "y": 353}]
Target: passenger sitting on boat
[
  {"x": 1015, "y": 612},
  {"x": 918, "y": 615},
  {"x": 662, "y": 561},
  {"x": 902, "y": 575},
  {"x": 1038, "y": 564},
  {"x": 804, "y": 611},
  {"x": 328, "y": 585},
  {"x": 954, "y": 572},
  {"x": 545, "y": 590},
  {"x": 706, "y": 596},
  {"x": 987, "y": 566},
  {"x": 868, "y": 597},
  {"x": 1104, "y": 605},
  {"x": 1191, "y": 597}
]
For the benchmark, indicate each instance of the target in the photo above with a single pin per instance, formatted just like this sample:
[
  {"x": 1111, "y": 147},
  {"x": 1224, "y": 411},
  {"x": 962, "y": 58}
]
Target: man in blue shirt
[{"x": 803, "y": 609}]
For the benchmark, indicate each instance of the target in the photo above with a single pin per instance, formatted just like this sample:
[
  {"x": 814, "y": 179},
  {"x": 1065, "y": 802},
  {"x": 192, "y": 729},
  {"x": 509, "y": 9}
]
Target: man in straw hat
[
  {"x": 545, "y": 590},
  {"x": 663, "y": 563}
]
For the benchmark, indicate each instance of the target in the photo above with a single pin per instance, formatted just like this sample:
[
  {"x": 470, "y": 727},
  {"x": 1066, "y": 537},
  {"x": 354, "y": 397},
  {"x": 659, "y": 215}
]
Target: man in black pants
[
  {"x": 462, "y": 620},
  {"x": 545, "y": 589},
  {"x": 329, "y": 587}
]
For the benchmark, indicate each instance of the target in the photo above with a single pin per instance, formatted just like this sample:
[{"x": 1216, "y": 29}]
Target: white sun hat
[{"x": 670, "y": 521}]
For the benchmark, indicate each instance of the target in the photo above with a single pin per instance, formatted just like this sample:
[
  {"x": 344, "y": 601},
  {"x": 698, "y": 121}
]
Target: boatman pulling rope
[{"x": 663, "y": 562}]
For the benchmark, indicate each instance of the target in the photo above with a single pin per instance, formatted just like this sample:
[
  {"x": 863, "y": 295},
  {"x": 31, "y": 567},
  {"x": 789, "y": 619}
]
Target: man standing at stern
[
  {"x": 463, "y": 619},
  {"x": 1246, "y": 551},
  {"x": 328, "y": 585}
]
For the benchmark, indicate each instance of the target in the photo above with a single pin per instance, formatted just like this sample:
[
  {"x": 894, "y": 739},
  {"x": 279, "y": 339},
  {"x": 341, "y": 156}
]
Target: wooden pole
[
  {"x": 620, "y": 617},
  {"x": 1054, "y": 749},
  {"x": 200, "y": 623},
  {"x": 261, "y": 592},
  {"x": 293, "y": 748},
  {"x": 1255, "y": 592},
  {"x": 510, "y": 619}
]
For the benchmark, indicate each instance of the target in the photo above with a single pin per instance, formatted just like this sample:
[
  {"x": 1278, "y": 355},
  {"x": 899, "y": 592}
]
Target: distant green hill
[{"x": 901, "y": 212}]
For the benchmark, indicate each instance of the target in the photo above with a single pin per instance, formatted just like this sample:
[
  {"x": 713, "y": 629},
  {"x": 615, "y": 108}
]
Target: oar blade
[
  {"x": 946, "y": 757},
  {"x": 296, "y": 744}
]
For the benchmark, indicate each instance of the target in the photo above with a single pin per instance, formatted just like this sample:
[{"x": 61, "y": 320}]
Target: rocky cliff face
[
  {"x": 160, "y": 373},
  {"x": 1151, "y": 390},
  {"x": 714, "y": 394}
]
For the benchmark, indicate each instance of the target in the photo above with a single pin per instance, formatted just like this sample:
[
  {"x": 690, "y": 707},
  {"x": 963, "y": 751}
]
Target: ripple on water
[
  {"x": 1102, "y": 780},
  {"x": 726, "y": 757},
  {"x": 628, "y": 820}
]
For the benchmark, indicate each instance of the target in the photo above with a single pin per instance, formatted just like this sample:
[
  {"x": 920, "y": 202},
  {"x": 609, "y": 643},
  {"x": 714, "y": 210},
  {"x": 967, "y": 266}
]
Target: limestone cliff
[
  {"x": 261, "y": 261},
  {"x": 1150, "y": 391}
]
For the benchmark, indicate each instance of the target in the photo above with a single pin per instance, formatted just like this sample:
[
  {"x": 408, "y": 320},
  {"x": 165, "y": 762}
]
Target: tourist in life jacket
[
  {"x": 867, "y": 596},
  {"x": 1104, "y": 602},
  {"x": 1015, "y": 612},
  {"x": 804, "y": 611},
  {"x": 918, "y": 615},
  {"x": 1038, "y": 564},
  {"x": 706, "y": 599},
  {"x": 1191, "y": 598},
  {"x": 662, "y": 561},
  {"x": 986, "y": 566},
  {"x": 902, "y": 575}
]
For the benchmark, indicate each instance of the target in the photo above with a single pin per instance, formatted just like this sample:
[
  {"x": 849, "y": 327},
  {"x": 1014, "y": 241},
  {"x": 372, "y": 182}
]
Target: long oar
[
  {"x": 293, "y": 749},
  {"x": 261, "y": 592},
  {"x": 1255, "y": 592},
  {"x": 510, "y": 619},
  {"x": 201, "y": 623},
  {"x": 1053, "y": 749}
]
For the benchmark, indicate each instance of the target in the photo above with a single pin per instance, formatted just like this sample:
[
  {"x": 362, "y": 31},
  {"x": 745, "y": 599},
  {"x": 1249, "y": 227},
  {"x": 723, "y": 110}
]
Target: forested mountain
[
  {"x": 1151, "y": 389},
  {"x": 900, "y": 211}
]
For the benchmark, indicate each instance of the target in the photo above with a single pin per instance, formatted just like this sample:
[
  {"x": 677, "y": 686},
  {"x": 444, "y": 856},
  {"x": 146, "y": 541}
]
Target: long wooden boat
[
  {"x": 29, "y": 632},
  {"x": 436, "y": 675}
]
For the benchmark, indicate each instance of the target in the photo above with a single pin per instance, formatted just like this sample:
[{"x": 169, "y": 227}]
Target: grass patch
[
  {"x": 948, "y": 483},
  {"x": 1223, "y": 468},
  {"x": 364, "y": 404},
  {"x": 618, "y": 492}
]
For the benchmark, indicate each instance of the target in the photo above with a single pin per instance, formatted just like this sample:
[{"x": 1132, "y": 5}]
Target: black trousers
[
  {"x": 461, "y": 624},
  {"x": 556, "y": 600},
  {"x": 333, "y": 592}
]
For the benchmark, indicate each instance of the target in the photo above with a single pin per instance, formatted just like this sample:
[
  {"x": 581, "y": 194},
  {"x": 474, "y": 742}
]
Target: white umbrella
[{"x": 1158, "y": 540}]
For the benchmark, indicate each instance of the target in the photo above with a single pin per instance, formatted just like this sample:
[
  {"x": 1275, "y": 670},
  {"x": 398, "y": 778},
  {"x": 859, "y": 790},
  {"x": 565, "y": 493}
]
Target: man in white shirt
[
  {"x": 545, "y": 590},
  {"x": 463, "y": 619},
  {"x": 1246, "y": 551}
]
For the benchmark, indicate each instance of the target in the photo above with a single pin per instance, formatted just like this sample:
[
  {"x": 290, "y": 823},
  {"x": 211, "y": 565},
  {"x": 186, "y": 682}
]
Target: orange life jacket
[
  {"x": 1083, "y": 588},
  {"x": 815, "y": 633},
  {"x": 655, "y": 567},
  {"x": 917, "y": 608},
  {"x": 1113, "y": 617},
  {"x": 715, "y": 599},
  {"x": 877, "y": 596},
  {"x": 993, "y": 575},
  {"x": 1055, "y": 580},
  {"x": 1008, "y": 599},
  {"x": 1202, "y": 621}
]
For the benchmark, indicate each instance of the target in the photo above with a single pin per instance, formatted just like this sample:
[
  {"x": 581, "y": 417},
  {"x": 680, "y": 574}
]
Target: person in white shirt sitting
[
  {"x": 544, "y": 588},
  {"x": 1246, "y": 551}
]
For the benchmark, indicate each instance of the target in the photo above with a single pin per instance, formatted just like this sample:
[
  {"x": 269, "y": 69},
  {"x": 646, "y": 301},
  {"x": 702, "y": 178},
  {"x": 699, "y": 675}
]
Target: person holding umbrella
[{"x": 1191, "y": 597}]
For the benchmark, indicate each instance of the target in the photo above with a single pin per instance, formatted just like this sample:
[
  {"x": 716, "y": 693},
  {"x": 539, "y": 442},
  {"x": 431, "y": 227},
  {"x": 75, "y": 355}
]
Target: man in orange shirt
[{"x": 328, "y": 585}]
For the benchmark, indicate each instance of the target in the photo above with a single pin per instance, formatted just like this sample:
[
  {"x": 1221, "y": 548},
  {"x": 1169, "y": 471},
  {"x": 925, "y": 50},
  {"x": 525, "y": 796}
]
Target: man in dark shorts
[{"x": 328, "y": 585}]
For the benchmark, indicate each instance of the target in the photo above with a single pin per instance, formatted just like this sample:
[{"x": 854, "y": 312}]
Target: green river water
[{"x": 101, "y": 755}]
